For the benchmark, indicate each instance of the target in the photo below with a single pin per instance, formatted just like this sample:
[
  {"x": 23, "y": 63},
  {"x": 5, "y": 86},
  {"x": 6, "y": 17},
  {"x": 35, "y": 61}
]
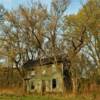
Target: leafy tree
[
  {"x": 23, "y": 34},
  {"x": 82, "y": 35}
]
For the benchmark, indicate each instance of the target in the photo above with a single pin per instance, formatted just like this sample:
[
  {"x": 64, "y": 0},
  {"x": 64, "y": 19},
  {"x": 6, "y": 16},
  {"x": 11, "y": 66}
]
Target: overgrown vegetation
[
  {"x": 9, "y": 78},
  {"x": 34, "y": 32}
]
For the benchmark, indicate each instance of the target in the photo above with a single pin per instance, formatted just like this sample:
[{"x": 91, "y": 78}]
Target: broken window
[
  {"x": 32, "y": 86},
  {"x": 54, "y": 83},
  {"x": 33, "y": 73},
  {"x": 53, "y": 68}
]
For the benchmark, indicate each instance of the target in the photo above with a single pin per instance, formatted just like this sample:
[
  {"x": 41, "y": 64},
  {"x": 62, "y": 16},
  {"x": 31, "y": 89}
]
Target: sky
[{"x": 73, "y": 8}]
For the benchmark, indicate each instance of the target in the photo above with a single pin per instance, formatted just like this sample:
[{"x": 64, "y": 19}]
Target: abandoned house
[{"x": 44, "y": 78}]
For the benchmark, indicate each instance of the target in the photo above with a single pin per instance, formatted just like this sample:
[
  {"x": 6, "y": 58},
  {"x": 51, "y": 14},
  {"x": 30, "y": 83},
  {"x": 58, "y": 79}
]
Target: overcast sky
[{"x": 73, "y": 8}]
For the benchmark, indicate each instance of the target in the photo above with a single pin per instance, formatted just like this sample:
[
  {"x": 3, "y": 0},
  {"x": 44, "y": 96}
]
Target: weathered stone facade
[{"x": 45, "y": 79}]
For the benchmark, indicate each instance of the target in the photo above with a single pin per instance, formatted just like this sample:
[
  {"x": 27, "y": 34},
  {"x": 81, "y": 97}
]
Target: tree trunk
[{"x": 74, "y": 82}]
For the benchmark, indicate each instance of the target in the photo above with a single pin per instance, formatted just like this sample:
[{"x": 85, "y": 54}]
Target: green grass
[{"x": 12, "y": 97}]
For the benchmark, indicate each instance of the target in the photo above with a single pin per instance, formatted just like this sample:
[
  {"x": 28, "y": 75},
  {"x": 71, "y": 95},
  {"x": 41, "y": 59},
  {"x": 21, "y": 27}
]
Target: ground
[
  {"x": 18, "y": 94},
  {"x": 78, "y": 97}
]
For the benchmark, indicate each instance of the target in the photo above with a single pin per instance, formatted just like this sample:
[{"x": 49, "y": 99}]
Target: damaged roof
[{"x": 44, "y": 61}]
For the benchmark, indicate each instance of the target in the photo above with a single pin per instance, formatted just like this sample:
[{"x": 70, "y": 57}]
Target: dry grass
[
  {"x": 19, "y": 94},
  {"x": 12, "y": 91}
]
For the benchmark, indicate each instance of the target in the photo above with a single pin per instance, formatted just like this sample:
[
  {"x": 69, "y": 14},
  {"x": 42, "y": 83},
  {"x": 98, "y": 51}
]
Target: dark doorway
[
  {"x": 43, "y": 86},
  {"x": 54, "y": 83}
]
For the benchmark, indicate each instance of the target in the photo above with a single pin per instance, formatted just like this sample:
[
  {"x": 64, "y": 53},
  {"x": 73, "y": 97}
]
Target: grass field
[{"x": 12, "y": 97}]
